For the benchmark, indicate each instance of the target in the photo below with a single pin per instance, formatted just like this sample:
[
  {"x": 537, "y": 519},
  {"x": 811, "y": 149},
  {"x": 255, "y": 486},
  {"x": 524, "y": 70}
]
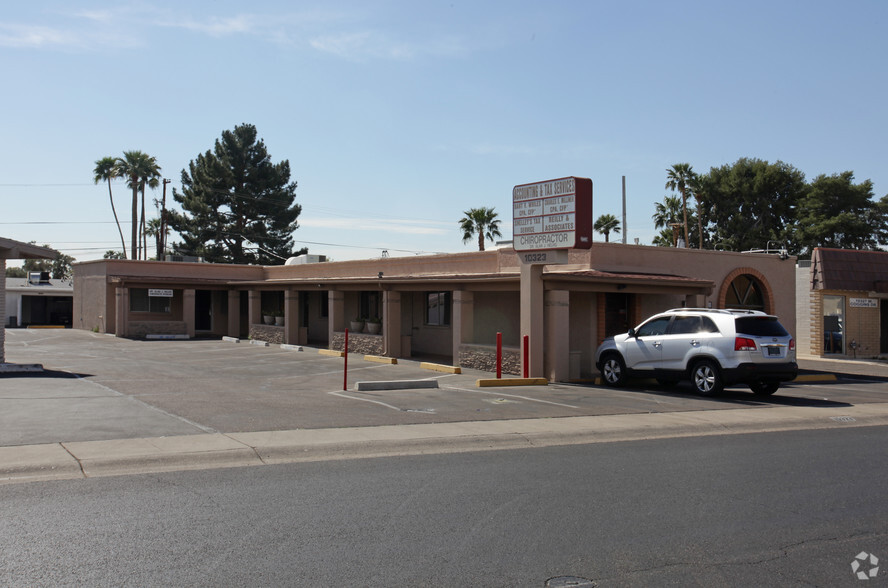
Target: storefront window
[
  {"x": 438, "y": 308},
  {"x": 833, "y": 324},
  {"x": 140, "y": 301}
]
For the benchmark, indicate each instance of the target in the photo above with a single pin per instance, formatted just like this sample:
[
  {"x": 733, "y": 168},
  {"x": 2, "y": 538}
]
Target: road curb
[{"x": 145, "y": 455}]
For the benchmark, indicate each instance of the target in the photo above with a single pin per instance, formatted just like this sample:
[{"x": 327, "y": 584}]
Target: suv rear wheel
[
  {"x": 764, "y": 388},
  {"x": 706, "y": 378},
  {"x": 613, "y": 370}
]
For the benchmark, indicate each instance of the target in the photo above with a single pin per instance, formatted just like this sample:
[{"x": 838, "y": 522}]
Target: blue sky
[{"x": 398, "y": 116}]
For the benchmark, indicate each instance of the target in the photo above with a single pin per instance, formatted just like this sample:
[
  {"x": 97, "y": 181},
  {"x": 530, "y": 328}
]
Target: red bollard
[
  {"x": 345, "y": 368},
  {"x": 526, "y": 356},
  {"x": 499, "y": 356}
]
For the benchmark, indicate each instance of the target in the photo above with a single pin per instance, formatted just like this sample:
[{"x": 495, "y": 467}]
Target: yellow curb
[
  {"x": 512, "y": 382},
  {"x": 381, "y": 359},
  {"x": 816, "y": 378},
  {"x": 437, "y": 367},
  {"x": 331, "y": 352}
]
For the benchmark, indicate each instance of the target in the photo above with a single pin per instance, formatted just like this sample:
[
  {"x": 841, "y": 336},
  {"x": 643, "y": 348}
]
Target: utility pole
[
  {"x": 161, "y": 254},
  {"x": 624, "y": 211}
]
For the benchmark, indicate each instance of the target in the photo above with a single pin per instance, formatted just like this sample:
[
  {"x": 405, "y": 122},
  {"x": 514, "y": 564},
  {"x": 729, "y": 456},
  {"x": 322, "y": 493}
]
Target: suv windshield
[{"x": 760, "y": 326}]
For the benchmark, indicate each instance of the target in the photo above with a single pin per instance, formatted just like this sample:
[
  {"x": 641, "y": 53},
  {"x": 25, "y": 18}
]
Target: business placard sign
[
  {"x": 160, "y": 293},
  {"x": 863, "y": 303},
  {"x": 555, "y": 214}
]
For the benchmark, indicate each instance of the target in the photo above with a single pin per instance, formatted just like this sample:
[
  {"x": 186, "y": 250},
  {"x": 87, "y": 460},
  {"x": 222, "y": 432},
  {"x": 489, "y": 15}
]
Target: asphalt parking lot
[{"x": 98, "y": 387}]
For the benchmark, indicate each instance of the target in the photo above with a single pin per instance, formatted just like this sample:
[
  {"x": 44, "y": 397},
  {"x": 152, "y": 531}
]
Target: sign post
[{"x": 548, "y": 219}]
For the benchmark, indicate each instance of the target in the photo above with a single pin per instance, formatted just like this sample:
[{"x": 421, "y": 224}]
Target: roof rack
[{"x": 718, "y": 310}]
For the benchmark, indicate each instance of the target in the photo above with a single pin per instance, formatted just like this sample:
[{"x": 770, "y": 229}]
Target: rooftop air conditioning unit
[
  {"x": 303, "y": 259},
  {"x": 185, "y": 258}
]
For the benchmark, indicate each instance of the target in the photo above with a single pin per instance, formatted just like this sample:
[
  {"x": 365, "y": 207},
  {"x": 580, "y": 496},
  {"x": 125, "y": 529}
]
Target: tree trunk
[
  {"x": 143, "y": 241},
  {"x": 134, "y": 250},
  {"x": 700, "y": 222},
  {"x": 116, "y": 220},
  {"x": 480, "y": 240}
]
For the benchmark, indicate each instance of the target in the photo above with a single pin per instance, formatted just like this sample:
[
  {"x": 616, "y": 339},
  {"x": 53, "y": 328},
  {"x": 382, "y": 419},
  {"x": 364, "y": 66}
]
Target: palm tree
[
  {"x": 667, "y": 215},
  {"x": 106, "y": 170},
  {"x": 139, "y": 169},
  {"x": 482, "y": 222},
  {"x": 153, "y": 230},
  {"x": 606, "y": 224},
  {"x": 677, "y": 178},
  {"x": 695, "y": 187}
]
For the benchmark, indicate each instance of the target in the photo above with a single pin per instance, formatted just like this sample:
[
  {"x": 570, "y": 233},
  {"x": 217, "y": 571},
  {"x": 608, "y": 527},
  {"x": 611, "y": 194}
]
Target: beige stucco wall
[
  {"x": 497, "y": 312},
  {"x": 716, "y": 266},
  {"x": 491, "y": 277}
]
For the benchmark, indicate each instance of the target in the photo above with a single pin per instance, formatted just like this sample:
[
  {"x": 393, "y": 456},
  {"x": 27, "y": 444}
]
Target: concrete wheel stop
[{"x": 395, "y": 385}]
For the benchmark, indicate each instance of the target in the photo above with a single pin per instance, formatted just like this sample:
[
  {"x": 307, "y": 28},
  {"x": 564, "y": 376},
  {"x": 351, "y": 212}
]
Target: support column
[
  {"x": 3, "y": 310},
  {"x": 336, "y": 313},
  {"x": 557, "y": 339},
  {"x": 121, "y": 311},
  {"x": 234, "y": 313},
  {"x": 254, "y": 308},
  {"x": 391, "y": 323},
  {"x": 188, "y": 297},
  {"x": 291, "y": 317},
  {"x": 532, "y": 317},
  {"x": 463, "y": 321}
]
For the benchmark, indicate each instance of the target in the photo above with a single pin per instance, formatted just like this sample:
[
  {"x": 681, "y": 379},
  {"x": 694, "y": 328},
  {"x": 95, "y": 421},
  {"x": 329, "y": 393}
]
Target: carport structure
[{"x": 10, "y": 249}]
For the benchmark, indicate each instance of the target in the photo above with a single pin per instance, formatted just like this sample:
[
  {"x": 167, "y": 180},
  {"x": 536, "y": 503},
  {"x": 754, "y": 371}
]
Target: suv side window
[
  {"x": 682, "y": 325},
  {"x": 656, "y": 326},
  {"x": 708, "y": 326}
]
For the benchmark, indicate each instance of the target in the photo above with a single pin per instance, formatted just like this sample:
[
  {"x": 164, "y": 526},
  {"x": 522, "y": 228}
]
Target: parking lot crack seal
[
  {"x": 79, "y": 463},
  {"x": 255, "y": 451}
]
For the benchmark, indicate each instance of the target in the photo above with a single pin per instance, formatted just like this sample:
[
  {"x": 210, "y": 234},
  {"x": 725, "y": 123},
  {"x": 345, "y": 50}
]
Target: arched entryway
[{"x": 746, "y": 288}]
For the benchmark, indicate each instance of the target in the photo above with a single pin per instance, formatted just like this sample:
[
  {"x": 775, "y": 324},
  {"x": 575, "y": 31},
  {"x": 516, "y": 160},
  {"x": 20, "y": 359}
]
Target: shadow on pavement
[
  {"x": 45, "y": 374},
  {"x": 737, "y": 396}
]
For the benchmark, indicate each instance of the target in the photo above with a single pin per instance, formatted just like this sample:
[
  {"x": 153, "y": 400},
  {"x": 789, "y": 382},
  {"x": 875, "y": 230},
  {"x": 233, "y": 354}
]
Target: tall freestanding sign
[
  {"x": 556, "y": 214},
  {"x": 548, "y": 218}
]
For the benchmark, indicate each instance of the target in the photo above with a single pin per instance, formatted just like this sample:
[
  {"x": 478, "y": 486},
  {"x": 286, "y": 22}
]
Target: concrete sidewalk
[{"x": 57, "y": 461}]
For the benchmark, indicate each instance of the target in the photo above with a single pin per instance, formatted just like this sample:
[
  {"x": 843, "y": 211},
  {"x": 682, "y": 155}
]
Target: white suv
[{"x": 711, "y": 348}]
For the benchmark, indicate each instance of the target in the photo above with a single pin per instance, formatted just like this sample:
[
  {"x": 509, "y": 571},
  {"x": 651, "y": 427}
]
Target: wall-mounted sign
[
  {"x": 555, "y": 214},
  {"x": 160, "y": 293},
  {"x": 863, "y": 303}
]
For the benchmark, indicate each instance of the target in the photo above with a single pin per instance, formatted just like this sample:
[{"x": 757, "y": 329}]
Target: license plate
[{"x": 773, "y": 351}]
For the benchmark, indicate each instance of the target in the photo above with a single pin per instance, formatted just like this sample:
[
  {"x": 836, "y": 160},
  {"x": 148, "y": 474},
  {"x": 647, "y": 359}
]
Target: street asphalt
[{"x": 105, "y": 406}]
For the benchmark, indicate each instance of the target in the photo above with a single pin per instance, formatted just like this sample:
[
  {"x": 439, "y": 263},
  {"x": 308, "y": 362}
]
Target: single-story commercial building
[
  {"x": 447, "y": 307},
  {"x": 842, "y": 311},
  {"x": 38, "y": 301}
]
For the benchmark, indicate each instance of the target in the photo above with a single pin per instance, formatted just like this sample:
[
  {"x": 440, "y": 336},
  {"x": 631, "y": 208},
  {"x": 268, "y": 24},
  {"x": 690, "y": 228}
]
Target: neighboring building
[
  {"x": 39, "y": 301},
  {"x": 10, "y": 249},
  {"x": 842, "y": 309},
  {"x": 445, "y": 307}
]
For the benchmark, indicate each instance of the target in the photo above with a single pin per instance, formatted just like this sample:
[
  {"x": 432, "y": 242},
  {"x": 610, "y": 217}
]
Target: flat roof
[{"x": 11, "y": 249}]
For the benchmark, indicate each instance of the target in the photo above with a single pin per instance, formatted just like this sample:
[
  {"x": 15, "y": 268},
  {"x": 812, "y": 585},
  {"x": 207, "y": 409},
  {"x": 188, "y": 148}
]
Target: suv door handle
[
  {"x": 657, "y": 344},
  {"x": 694, "y": 342}
]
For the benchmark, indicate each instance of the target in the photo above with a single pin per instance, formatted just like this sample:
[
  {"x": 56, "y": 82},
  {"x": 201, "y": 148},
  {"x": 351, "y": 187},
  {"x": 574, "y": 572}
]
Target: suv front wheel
[
  {"x": 706, "y": 378},
  {"x": 613, "y": 370}
]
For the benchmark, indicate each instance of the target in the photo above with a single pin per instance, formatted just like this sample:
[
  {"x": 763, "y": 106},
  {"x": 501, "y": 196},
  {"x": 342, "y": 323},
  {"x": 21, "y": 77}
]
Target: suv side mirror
[{"x": 631, "y": 332}]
